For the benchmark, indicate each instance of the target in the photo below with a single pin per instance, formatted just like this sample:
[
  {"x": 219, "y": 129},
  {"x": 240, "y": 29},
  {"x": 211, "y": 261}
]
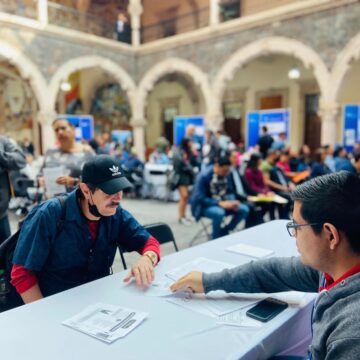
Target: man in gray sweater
[
  {"x": 326, "y": 225},
  {"x": 11, "y": 158}
]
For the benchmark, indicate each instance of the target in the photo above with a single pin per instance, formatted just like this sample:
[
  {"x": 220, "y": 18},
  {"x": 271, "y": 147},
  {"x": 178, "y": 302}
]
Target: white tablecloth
[{"x": 35, "y": 332}]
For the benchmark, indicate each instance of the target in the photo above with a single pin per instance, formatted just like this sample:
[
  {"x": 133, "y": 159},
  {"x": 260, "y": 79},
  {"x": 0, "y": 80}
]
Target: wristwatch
[{"x": 152, "y": 256}]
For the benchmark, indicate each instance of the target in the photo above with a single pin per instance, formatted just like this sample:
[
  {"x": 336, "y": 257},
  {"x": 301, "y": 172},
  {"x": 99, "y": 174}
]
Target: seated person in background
[
  {"x": 277, "y": 181},
  {"x": 214, "y": 198},
  {"x": 69, "y": 154},
  {"x": 284, "y": 165},
  {"x": 319, "y": 166},
  {"x": 255, "y": 179},
  {"x": 356, "y": 162},
  {"x": 328, "y": 239},
  {"x": 159, "y": 156},
  {"x": 48, "y": 260},
  {"x": 242, "y": 191},
  {"x": 280, "y": 142},
  {"x": 342, "y": 161}
]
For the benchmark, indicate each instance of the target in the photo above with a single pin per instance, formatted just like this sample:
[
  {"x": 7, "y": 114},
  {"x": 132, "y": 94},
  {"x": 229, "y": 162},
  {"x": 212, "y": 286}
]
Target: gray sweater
[
  {"x": 11, "y": 158},
  {"x": 336, "y": 317}
]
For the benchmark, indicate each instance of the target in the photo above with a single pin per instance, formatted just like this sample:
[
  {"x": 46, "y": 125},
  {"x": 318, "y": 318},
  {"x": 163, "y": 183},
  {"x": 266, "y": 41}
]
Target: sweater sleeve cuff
[
  {"x": 22, "y": 279},
  {"x": 152, "y": 245}
]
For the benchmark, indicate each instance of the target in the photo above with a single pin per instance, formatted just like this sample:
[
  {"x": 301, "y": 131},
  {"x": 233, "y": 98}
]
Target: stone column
[
  {"x": 214, "y": 120},
  {"x": 214, "y": 13},
  {"x": 296, "y": 135},
  {"x": 138, "y": 125},
  {"x": 135, "y": 9},
  {"x": 328, "y": 113},
  {"x": 45, "y": 119},
  {"x": 42, "y": 12}
]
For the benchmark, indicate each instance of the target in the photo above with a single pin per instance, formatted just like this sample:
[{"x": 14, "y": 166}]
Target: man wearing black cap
[{"x": 48, "y": 260}]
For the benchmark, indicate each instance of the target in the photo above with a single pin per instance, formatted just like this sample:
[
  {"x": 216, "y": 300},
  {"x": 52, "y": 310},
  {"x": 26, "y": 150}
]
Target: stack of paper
[
  {"x": 250, "y": 250},
  {"x": 106, "y": 322}
]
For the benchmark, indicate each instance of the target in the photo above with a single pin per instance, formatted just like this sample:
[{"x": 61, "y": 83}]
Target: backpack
[{"x": 11, "y": 298}]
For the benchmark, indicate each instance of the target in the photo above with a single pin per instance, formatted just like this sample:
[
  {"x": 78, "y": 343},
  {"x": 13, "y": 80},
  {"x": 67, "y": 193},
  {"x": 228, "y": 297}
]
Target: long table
[{"x": 34, "y": 331}]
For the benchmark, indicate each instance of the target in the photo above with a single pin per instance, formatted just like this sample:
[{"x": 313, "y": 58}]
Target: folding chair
[
  {"x": 203, "y": 232},
  {"x": 161, "y": 232}
]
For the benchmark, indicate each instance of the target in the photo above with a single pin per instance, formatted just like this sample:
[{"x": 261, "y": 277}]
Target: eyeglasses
[{"x": 292, "y": 227}]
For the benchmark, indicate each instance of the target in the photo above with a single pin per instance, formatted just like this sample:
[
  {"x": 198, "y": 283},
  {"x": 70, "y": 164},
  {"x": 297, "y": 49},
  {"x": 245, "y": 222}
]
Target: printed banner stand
[
  {"x": 182, "y": 122},
  {"x": 351, "y": 126},
  {"x": 84, "y": 125},
  {"x": 276, "y": 120}
]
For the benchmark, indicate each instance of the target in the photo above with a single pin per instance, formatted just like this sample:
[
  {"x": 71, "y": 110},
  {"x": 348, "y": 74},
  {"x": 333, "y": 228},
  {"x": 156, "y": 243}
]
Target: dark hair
[
  {"x": 91, "y": 187},
  {"x": 254, "y": 159},
  {"x": 264, "y": 128},
  {"x": 63, "y": 119},
  {"x": 338, "y": 150},
  {"x": 357, "y": 156},
  {"x": 222, "y": 158},
  {"x": 333, "y": 198},
  {"x": 185, "y": 145}
]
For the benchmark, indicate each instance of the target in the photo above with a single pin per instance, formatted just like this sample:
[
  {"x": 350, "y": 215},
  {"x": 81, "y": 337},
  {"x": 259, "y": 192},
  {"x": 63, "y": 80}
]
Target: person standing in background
[{"x": 11, "y": 158}]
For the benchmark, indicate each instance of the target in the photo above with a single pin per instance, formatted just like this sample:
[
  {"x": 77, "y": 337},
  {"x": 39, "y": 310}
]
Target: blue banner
[
  {"x": 84, "y": 125},
  {"x": 277, "y": 121},
  {"x": 351, "y": 126},
  {"x": 182, "y": 122}
]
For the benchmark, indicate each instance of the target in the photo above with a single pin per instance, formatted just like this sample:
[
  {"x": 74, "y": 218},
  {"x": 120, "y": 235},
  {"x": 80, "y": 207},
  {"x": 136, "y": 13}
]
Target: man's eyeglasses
[{"x": 292, "y": 227}]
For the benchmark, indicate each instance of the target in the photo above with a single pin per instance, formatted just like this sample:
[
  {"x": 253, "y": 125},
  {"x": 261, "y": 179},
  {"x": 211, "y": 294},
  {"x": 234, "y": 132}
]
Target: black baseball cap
[{"x": 105, "y": 172}]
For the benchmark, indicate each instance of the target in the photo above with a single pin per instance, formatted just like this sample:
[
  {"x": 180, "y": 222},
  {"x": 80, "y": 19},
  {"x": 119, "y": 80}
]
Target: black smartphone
[{"x": 267, "y": 309}]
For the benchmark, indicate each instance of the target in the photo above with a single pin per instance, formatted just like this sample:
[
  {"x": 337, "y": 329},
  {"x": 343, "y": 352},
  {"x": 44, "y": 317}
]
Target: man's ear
[
  {"x": 332, "y": 234},
  {"x": 85, "y": 190}
]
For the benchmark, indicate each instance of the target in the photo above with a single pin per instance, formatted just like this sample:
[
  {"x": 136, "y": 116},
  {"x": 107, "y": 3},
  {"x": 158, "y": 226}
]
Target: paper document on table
[
  {"x": 199, "y": 264},
  {"x": 238, "y": 318},
  {"x": 250, "y": 250},
  {"x": 216, "y": 304},
  {"x": 106, "y": 322},
  {"x": 50, "y": 176},
  {"x": 159, "y": 289}
]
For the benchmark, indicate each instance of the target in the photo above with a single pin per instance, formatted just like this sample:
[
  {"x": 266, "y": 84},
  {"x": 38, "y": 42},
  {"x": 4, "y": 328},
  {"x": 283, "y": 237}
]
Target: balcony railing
[
  {"x": 89, "y": 23},
  {"x": 176, "y": 25},
  {"x": 25, "y": 8},
  {"x": 82, "y": 21}
]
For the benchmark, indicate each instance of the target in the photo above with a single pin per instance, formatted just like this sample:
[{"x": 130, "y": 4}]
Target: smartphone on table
[{"x": 267, "y": 309}]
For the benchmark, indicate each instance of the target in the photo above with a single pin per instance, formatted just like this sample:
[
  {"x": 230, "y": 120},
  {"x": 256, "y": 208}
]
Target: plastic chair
[{"x": 161, "y": 232}]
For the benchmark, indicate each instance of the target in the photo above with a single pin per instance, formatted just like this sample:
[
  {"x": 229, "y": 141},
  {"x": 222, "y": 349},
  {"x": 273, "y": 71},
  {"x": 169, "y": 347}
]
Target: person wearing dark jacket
[
  {"x": 242, "y": 191},
  {"x": 265, "y": 141},
  {"x": 11, "y": 158},
  {"x": 213, "y": 197}
]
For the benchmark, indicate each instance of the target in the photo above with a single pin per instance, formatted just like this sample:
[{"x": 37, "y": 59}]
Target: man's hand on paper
[
  {"x": 142, "y": 271},
  {"x": 191, "y": 281}
]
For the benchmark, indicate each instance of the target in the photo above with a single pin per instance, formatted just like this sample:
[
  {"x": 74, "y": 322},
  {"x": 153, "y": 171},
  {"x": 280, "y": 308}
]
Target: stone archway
[
  {"x": 342, "y": 65},
  {"x": 271, "y": 45},
  {"x": 86, "y": 62},
  {"x": 283, "y": 46},
  {"x": 168, "y": 66},
  {"x": 29, "y": 71}
]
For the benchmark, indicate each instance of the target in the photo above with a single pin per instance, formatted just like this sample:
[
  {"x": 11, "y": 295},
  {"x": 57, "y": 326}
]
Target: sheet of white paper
[
  {"x": 159, "y": 289},
  {"x": 250, "y": 250},
  {"x": 238, "y": 318},
  {"x": 50, "y": 176},
  {"x": 216, "y": 304},
  {"x": 199, "y": 264},
  {"x": 106, "y": 322}
]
